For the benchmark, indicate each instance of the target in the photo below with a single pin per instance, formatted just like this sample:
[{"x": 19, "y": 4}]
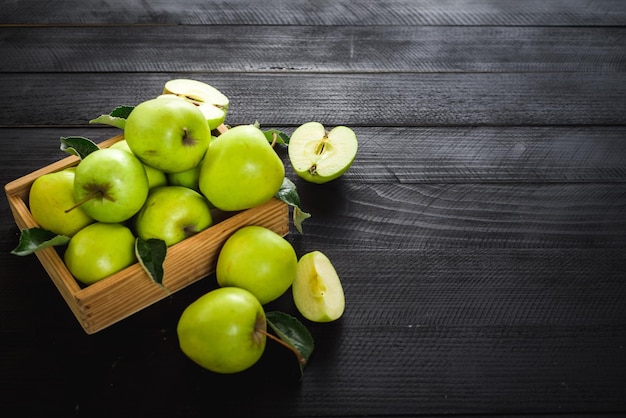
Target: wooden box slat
[{"x": 130, "y": 290}]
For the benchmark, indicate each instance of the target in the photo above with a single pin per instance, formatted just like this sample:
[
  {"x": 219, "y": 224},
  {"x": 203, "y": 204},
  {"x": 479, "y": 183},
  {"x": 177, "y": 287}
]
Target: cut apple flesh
[
  {"x": 196, "y": 91},
  {"x": 322, "y": 154},
  {"x": 317, "y": 291},
  {"x": 210, "y": 111},
  {"x": 209, "y": 100}
]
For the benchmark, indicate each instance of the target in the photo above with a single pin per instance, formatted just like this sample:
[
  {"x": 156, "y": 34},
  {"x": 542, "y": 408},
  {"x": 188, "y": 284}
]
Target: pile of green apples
[
  {"x": 164, "y": 181},
  {"x": 225, "y": 330}
]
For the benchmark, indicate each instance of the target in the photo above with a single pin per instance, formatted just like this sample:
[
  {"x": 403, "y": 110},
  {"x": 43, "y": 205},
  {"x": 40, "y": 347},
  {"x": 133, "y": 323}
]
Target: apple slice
[
  {"x": 319, "y": 156},
  {"x": 212, "y": 103},
  {"x": 317, "y": 290}
]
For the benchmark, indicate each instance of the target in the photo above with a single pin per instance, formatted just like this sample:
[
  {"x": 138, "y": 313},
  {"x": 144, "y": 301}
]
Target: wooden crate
[{"x": 128, "y": 291}]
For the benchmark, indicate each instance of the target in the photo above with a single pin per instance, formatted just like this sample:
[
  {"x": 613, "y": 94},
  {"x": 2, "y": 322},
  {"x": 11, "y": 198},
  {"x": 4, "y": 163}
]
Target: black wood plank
[
  {"x": 396, "y": 216},
  {"x": 411, "y": 155},
  {"x": 30, "y": 149},
  {"x": 490, "y": 154},
  {"x": 320, "y": 49},
  {"x": 481, "y": 287},
  {"x": 305, "y": 12},
  {"x": 395, "y": 99}
]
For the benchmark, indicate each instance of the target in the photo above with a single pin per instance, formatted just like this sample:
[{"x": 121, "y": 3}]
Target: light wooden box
[{"x": 128, "y": 291}]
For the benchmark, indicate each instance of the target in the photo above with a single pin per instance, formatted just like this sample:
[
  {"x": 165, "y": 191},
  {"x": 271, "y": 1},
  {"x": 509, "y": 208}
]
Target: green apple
[
  {"x": 319, "y": 156},
  {"x": 49, "y": 197},
  {"x": 110, "y": 185},
  {"x": 212, "y": 103},
  {"x": 224, "y": 330},
  {"x": 156, "y": 177},
  {"x": 189, "y": 178},
  {"x": 317, "y": 291},
  {"x": 241, "y": 170},
  {"x": 259, "y": 260},
  {"x": 172, "y": 213},
  {"x": 168, "y": 134},
  {"x": 99, "y": 250}
]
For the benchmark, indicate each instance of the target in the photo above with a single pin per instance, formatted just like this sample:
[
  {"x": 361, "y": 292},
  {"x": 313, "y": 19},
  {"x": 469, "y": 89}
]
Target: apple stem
[
  {"x": 188, "y": 140},
  {"x": 87, "y": 198},
  {"x": 272, "y": 337}
]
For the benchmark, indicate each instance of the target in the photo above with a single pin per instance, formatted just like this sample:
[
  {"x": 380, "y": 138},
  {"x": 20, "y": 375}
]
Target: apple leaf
[
  {"x": 151, "y": 254},
  {"x": 116, "y": 118},
  {"x": 291, "y": 331},
  {"x": 36, "y": 238},
  {"x": 274, "y": 136},
  {"x": 288, "y": 194},
  {"x": 78, "y": 145},
  {"x": 299, "y": 216}
]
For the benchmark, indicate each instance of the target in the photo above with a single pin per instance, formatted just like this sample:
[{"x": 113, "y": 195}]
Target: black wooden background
[{"x": 480, "y": 234}]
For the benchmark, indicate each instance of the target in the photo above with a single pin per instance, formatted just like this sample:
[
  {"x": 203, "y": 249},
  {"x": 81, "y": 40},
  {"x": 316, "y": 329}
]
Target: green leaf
[
  {"x": 34, "y": 239},
  {"x": 78, "y": 145},
  {"x": 299, "y": 216},
  {"x": 151, "y": 255},
  {"x": 288, "y": 194},
  {"x": 116, "y": 118},
  {"x": 291, "y": 331},
  {"x": 274, "y": 135}
]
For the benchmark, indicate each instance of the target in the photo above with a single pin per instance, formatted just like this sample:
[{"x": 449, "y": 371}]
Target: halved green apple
[
  {"x": 317, "y": 291},
  {"x": 320, "y": 156},
  {"x": 211, "y": 101}
]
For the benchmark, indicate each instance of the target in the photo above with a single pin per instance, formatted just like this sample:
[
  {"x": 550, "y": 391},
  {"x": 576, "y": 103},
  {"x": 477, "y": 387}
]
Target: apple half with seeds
[
  {"x": 320, "y": 156},
  {"x": 212, "y": 102},
  {"x": 317, "y": 291}
]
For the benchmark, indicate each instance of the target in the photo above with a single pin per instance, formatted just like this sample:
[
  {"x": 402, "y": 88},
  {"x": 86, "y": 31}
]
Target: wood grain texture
[
  {"x": 430, "y": 99},
  {"x": 489, "y": 155},
  {"x": 483, "y": 287},
  {"x": 396, "y": 216},
  {"x": 319, "y": 13},
  {"x": 421, "y": 155},
  {"x": 381, "y": 49},
  {"x": 440, "y": 346}
]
